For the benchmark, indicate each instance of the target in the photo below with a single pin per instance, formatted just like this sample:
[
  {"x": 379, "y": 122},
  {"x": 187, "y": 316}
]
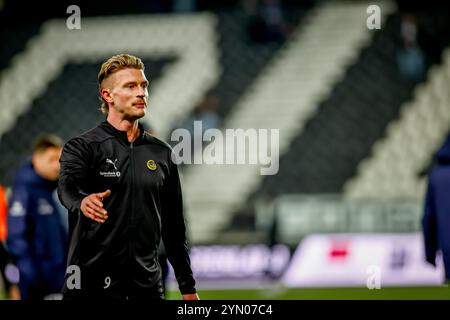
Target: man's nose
[{"x": 141, "y": 92}]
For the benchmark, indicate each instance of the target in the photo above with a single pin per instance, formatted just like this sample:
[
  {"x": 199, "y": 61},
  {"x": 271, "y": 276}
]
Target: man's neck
[{"x": 130, "y": 126}]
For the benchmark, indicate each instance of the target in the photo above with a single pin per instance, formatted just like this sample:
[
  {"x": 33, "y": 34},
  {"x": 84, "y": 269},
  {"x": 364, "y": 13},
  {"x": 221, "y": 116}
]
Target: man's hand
[
  {"x": 190, "y": 296},
  {"x": 92, "y": 206}
]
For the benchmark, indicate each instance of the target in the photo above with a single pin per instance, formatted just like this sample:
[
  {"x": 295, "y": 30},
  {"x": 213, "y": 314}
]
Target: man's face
[
  {"x": 46, "y": 163},
  {"x": 128, "y": 93}
]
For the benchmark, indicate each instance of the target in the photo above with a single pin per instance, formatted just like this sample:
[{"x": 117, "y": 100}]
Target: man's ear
[{"x": 106, "y": 95}]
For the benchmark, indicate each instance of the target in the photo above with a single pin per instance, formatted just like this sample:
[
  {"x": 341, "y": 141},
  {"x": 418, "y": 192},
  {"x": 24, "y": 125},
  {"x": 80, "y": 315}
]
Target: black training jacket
[{"x": 119, "y": 257}]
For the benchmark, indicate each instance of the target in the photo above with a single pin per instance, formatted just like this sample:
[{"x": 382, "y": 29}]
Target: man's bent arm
[
  {"x": 174, "y": 233},
  {"x": 75, "y": 160}
]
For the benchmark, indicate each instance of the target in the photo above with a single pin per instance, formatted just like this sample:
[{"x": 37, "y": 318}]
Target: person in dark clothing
[
  {"x": 436, "y": 218},
  {"x": 37, "y": 237},
  {"x": 8, "y": 271},
  {"x": 123, "y": 193}
]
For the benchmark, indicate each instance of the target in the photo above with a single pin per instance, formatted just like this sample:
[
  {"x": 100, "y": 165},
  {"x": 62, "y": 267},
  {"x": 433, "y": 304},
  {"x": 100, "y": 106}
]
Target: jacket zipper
[
  {"x": 132, "y": 182},
  {"x": 131, "y": 217}
]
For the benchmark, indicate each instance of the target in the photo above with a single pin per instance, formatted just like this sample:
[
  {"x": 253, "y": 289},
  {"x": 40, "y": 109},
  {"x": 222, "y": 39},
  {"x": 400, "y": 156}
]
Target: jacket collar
[{"x": 122, "y": 135}]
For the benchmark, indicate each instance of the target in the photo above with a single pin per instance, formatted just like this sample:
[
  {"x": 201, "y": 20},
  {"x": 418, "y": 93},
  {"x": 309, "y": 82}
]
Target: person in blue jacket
[
  {"x": 37, "y": 235},
  {"x": 436, "y": 218}
]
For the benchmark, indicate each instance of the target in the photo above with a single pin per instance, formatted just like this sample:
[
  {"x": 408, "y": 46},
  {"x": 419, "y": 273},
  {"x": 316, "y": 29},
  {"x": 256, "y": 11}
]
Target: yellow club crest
[{"x": 151, "y": 164}]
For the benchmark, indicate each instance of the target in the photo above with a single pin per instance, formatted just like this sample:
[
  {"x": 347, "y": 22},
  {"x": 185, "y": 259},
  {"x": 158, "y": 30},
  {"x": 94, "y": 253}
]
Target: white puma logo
[{"x": 111, "y": 162}]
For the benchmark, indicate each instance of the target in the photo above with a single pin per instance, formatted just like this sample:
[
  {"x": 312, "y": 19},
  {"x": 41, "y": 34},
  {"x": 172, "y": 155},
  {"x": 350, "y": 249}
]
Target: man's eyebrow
[
  {"x": 130, "y": 82},
  {"x": 135, "y": 82}
]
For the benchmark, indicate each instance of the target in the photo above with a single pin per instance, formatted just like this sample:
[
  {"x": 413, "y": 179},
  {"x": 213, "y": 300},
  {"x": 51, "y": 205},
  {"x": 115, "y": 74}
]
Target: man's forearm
[{"x": 70, "y": 195}]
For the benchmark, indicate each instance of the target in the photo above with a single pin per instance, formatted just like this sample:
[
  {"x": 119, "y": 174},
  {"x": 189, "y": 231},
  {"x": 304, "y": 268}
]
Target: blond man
[{"x": 123, "y": 194}]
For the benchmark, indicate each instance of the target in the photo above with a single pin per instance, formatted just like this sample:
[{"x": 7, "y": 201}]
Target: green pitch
[{"x": 403, "y": 293}]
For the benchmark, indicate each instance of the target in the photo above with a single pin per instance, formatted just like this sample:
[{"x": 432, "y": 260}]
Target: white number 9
[{"x": 107, "y": 282}]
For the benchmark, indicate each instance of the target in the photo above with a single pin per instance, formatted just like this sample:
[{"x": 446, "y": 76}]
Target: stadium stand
[
  {"x": 69, "y": 106},
  {"x": 13, "y": 39},
  {"x": 52, "y": 103},
  {"x": 336, "y": 95},
  {"x": 358, "y": 112},
  {"x": 191, "y": 40},
  {"x": 241, "y": 59},
  {"x": 305, "y": 65},
  {"x": 394, "y": 168},
  {"x": 324, "y": 155}
]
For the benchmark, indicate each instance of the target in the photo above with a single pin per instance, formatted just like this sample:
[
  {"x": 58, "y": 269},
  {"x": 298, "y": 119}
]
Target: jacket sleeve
[
  {"x": 20, "y": 224},
  {"x": 429, "y": 225},
  {"x": 174, "y": 232},
  {"x": 75, "y": 162}
]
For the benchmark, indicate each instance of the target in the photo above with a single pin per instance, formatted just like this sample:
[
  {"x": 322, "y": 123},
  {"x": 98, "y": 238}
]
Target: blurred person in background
[
  {"x": 123, "y": 193},
  {"x": 410, "y": 57},
  {"x": 436, "y": 218},
  {"x": 266, "y": 20},
  {"x": 206, "y": 112},
  {"x": 8, "y": 271},
  {"x": 37, "y": 237},
  {"x": 184, "y": 6}
]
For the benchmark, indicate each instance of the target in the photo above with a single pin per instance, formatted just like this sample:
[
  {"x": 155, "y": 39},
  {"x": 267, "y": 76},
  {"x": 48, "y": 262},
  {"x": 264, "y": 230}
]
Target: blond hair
[{"x": 112, "y": 65}]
